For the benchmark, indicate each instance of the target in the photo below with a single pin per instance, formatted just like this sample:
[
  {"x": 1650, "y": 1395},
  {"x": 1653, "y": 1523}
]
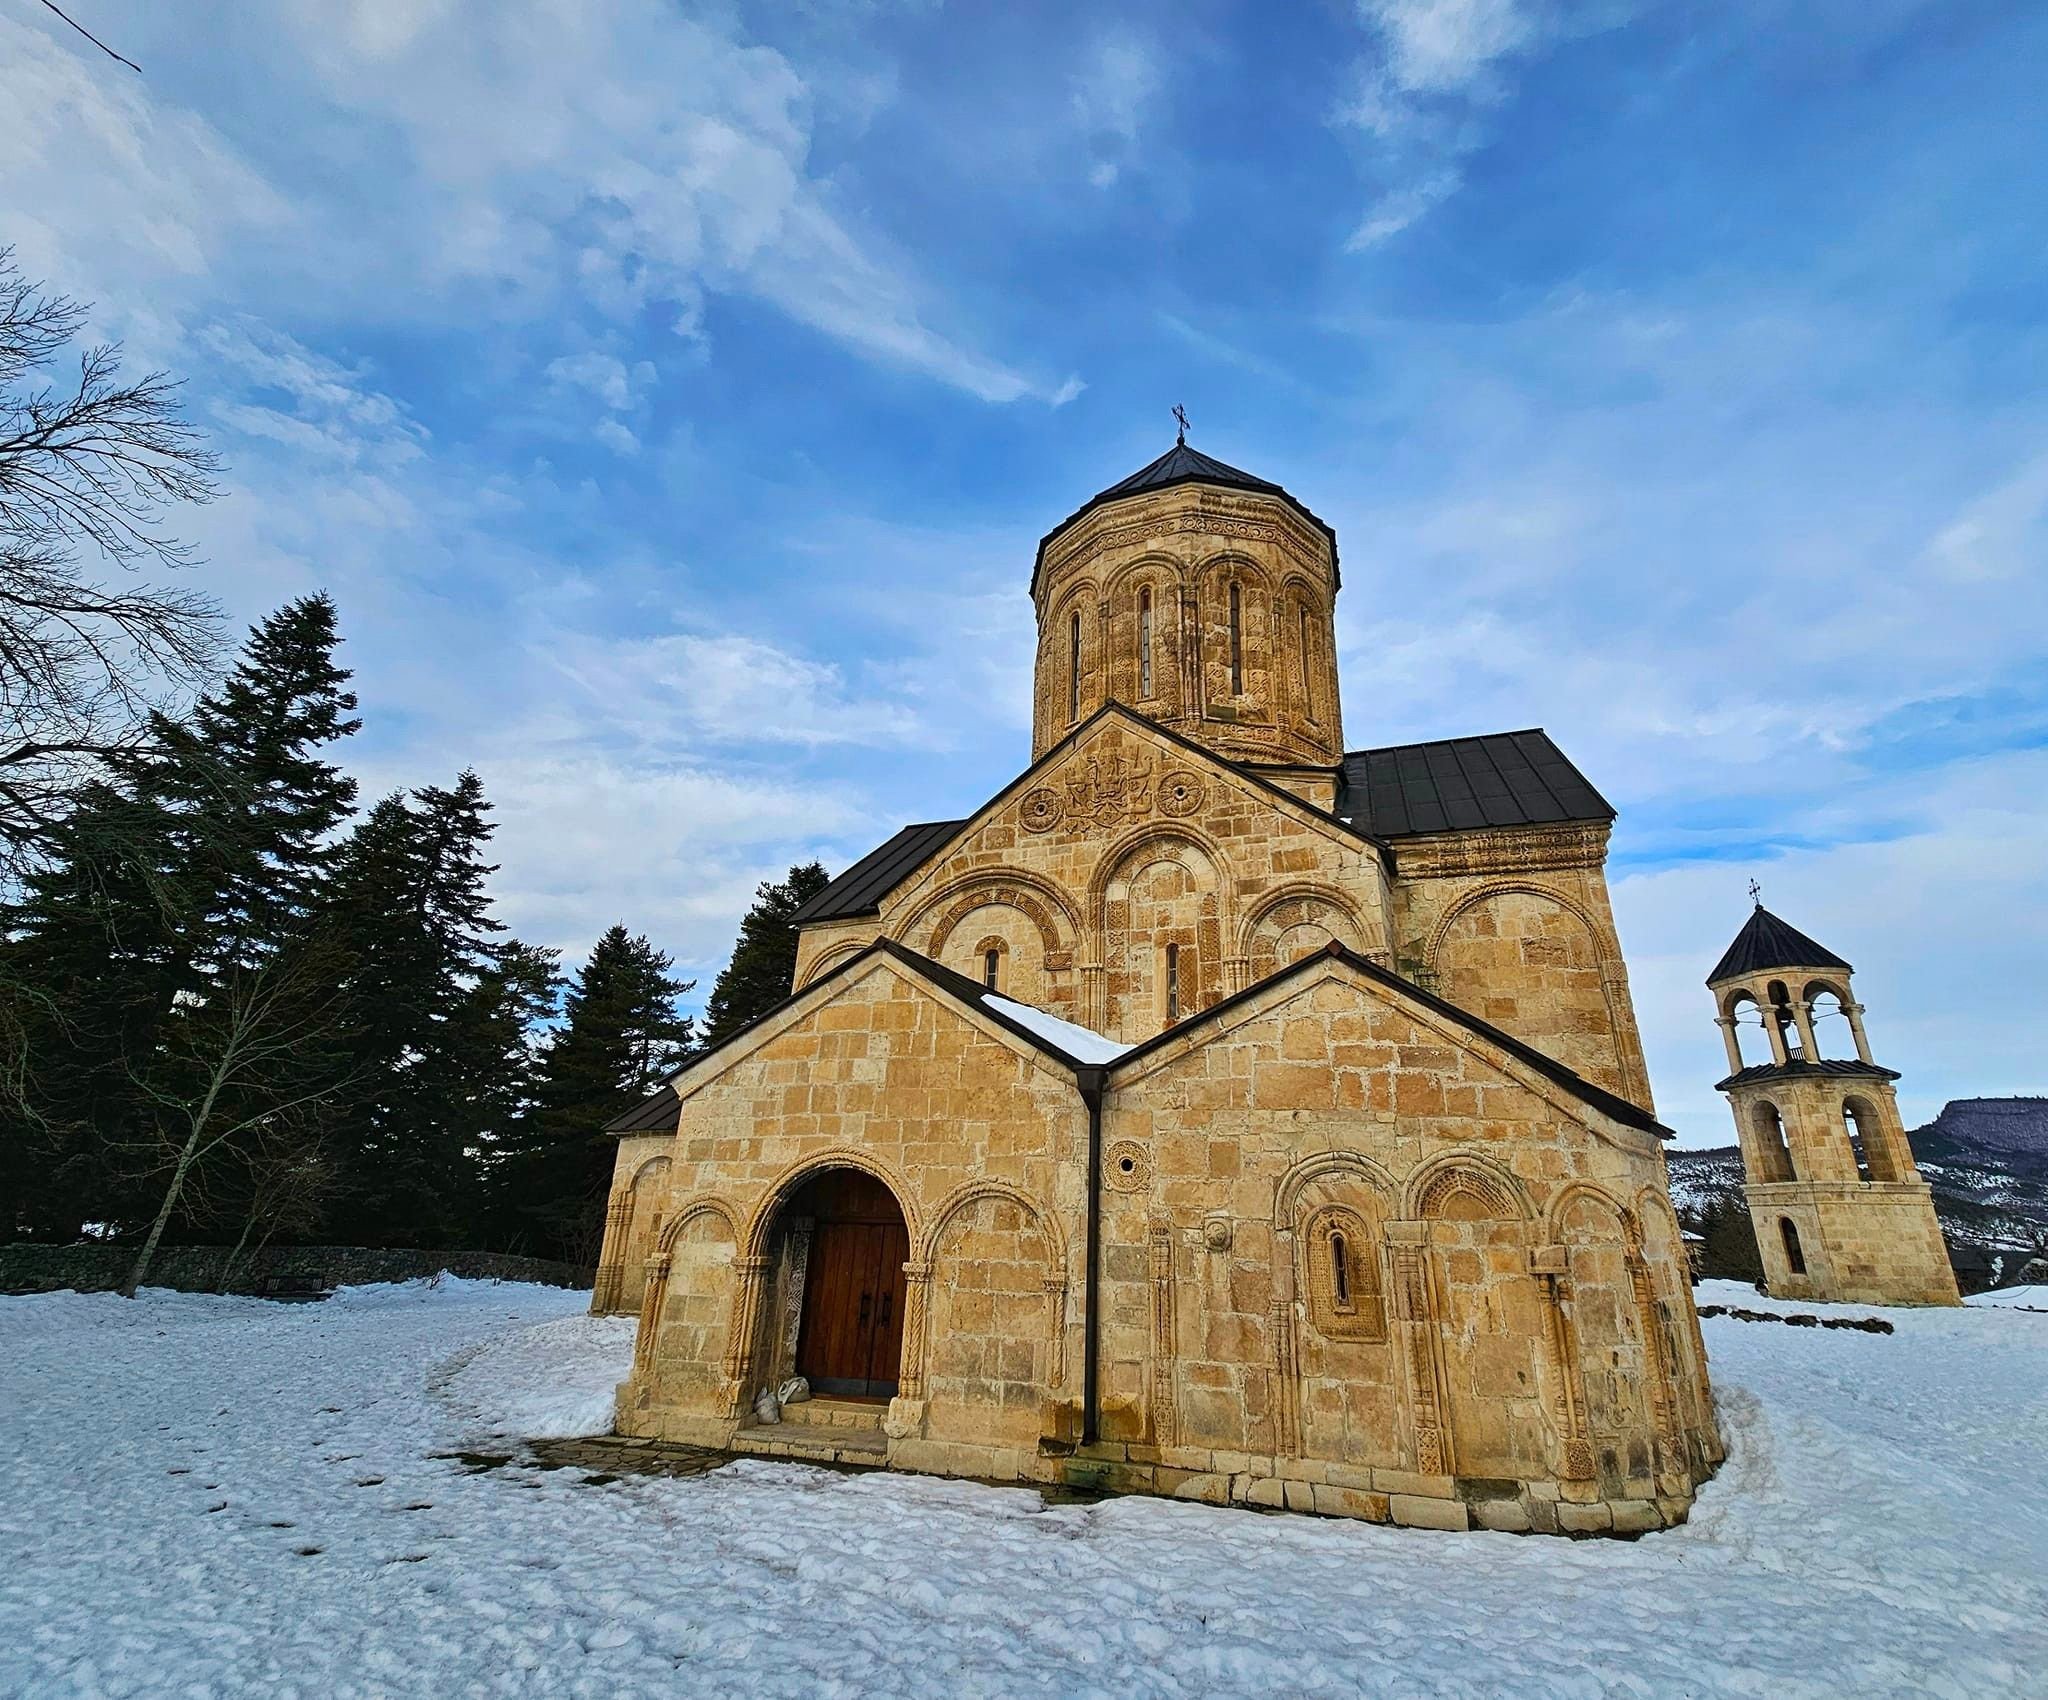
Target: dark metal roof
[
  {"x": 655, "y": 1114},
  {"x": 861, "y": 888},
  {"x": 1182, "y": 465},
  {"x": 1800, "y": 1069},
  {"x": 1766, "y": 942},
  {"x": 1457, "y": 784}
]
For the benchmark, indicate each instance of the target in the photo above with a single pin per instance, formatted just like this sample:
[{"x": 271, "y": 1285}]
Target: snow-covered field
[{"x": 204, "y": 1496}]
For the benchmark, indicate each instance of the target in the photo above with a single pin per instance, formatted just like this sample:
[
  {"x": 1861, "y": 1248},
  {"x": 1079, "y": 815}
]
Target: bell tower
[
  {"x": 1205, "y": 599},
  {"x": 1839, "y": 1209}
]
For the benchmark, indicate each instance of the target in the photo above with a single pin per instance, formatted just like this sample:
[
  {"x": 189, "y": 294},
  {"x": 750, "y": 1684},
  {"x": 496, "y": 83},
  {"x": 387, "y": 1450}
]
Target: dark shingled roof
[
  {"x": 1766, "y": 942},
  {"x": 1457, "y": 784},
  {"x": 655, "y": 1114},
  {"x": 1181, "y": 465},
  {"x": 1794, "y": 1070},
  {"x": 860, "y": 890}
]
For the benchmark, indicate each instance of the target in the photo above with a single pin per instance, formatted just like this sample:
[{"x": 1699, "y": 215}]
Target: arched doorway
[{"x": 849, "y": 1339}]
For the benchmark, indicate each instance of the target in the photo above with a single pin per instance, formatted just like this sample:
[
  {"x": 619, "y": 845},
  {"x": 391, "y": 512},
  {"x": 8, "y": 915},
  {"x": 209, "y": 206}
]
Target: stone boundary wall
[{"x": 298, "y": 1269}]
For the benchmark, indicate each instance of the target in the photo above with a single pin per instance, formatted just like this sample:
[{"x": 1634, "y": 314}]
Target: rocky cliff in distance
[{"x": 1985, "y": 1158}]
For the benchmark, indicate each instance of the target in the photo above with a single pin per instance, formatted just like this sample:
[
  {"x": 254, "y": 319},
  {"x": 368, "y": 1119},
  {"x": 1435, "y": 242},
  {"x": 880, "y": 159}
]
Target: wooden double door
[{"x": 850, "y": 1343}]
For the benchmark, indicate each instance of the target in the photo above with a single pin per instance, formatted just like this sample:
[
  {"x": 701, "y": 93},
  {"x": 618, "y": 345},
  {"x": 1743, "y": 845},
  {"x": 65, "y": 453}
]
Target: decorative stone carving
[
  {"x": 1181, "y": 792},
  {"x": 1041, "y": 809},
  {"x": 1127, "y": 1166}
]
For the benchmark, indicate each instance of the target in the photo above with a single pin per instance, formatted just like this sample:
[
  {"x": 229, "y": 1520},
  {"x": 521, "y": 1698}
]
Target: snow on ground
[
  {"x": 223, "y": 1497},
  {"x": 2012, "y": 1298}
]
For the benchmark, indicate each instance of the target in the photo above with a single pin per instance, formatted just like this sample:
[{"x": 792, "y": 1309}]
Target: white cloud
[
  {"x": 1421, "y": 93},
  {"x": 1113, "y": 93},
  {"x": 511, "y": 159},
  {"x": 2000, "y": 534},
  {"x": 679, "y": 690}
]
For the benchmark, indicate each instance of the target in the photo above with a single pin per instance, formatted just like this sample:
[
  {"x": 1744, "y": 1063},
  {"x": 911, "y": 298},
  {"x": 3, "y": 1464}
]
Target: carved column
[
  {"x": 1570, "y": 1406},
  {"x": 1056, "y": 1370},
  {"x": 1728, "y": 1038},
  {"x": 1417, "y": 1314},
  {"x": 1854, "y": 1011},
  {"x": 1236, "y": 974},
  {"x": 746, "y": 1322},
  {"x": 1164, "y": 1412},
  {"x": 1286, "y": 1350},
  {"x": 1093, "y": 995},
  {"x": 1663, "y": 1392},
  {"x": 917, "y": 1284},
  {"x": 650, "y": 1313},
  {"x": 611, "y": 1265}
]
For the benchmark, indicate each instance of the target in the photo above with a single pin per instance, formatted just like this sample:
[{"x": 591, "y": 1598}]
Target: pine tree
[
  {"x": 410, "y": 906},
  {"x": 620, "y": 1037},
  {"x": 86, "y": 976},
  {"x": 195, "y": 864},
  {"x": 256, "y": 798},
  {"x": 764, "y": 960}
]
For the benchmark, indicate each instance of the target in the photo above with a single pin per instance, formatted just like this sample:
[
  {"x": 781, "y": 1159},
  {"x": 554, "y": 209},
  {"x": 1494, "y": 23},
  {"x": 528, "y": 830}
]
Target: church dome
[{"x": 1182, "y": 465}]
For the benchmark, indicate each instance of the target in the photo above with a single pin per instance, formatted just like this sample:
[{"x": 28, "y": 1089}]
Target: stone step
[
  {"x": 837, "y": 1413},
  {"x": 822, "y": 1443}
]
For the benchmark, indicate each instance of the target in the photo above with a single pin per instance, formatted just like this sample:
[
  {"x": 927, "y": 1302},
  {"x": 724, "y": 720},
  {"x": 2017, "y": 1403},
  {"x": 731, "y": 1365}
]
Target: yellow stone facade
[
  {"x": 1349, "y": 1194},
  {"x": 1840, "y": 1211}
]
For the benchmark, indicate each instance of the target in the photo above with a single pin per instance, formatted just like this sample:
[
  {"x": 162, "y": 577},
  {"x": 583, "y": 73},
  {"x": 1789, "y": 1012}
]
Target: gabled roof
[
  {"x": 973, "y": 993},
  {"x": 1457, "y": 784},
  {"x": 649, "y": 1114},
  {"x": 1606, "y": 1102},
  {"x": 861, "y": 888},
  {"x": 1182, "y": 465},
  {"x": 1766, "y": 942}
]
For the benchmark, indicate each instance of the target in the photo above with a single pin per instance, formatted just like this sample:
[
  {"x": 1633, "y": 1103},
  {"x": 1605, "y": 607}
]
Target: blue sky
[{"x": 673, "y": 396}]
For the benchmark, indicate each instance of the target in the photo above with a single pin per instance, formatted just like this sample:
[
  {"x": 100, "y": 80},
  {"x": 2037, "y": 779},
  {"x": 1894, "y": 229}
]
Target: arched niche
[
  {"x": 1770, "y": 1151},
  {"x": 1145, "y": 602},
  {"x": 1532, "y": 961},
  {"x": 1298, "y": 922},
  {"x": 1162, "y": 923}
]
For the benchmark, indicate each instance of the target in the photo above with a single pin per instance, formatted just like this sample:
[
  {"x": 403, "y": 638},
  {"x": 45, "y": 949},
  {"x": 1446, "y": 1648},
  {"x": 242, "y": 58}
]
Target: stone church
[{"x": 1215, "y": 1111}]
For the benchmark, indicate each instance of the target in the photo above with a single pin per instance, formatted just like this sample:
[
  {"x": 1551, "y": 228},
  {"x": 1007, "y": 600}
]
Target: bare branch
[{"x": 95, "y": 40}]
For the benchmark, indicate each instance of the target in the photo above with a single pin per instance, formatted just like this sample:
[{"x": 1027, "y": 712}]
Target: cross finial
[
  {"x": 1756, "y": 894},
  {"x": 1180, "y": 415}
]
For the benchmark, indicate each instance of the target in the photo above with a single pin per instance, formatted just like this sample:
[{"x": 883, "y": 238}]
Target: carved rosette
[
  {"x": 1041, "y": 810},
  {"x": 1127, "y": 1166},
  {"x": 1180, "y": 792}
]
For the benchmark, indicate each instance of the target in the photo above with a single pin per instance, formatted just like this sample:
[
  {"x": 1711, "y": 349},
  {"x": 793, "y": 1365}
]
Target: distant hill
[{"x": 1986, "y": 1160}]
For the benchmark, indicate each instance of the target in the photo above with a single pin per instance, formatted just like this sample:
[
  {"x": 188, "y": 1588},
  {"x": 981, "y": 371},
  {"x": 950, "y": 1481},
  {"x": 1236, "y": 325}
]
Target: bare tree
[
  {"x": 252, "y": 1055},
  {"x": 93, "y": 467},
  {"x": 289, "y": 1177}
]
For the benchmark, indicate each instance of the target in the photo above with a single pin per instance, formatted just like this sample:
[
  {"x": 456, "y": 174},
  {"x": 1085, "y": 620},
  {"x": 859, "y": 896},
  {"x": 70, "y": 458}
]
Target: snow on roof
[{"x": 1083, "y": 1044}]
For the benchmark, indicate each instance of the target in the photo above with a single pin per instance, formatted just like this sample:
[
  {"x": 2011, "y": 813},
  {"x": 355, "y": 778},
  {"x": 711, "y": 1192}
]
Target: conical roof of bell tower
[
  {"x": 1182, "y": 465},
  {"x": 1766, "y": 942}
]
